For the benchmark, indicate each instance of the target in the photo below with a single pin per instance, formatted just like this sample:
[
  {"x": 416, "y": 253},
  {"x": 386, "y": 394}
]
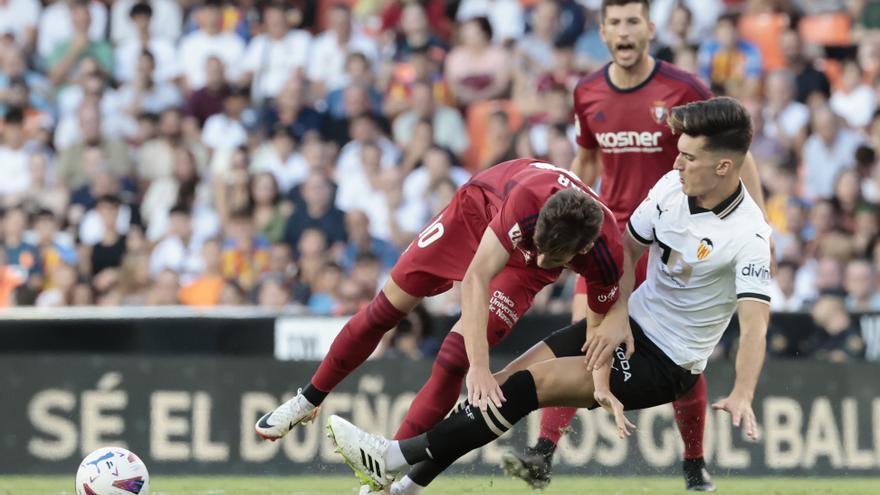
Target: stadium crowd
[{"x": 284, "y": 153}]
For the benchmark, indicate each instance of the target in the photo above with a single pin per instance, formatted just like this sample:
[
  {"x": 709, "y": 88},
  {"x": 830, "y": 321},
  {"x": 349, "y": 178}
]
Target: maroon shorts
[{"x": 442, "y": 252}]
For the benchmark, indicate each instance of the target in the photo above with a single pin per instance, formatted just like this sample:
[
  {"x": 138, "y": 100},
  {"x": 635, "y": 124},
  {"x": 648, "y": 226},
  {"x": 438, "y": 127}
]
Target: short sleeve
[
  {"x": 517, "y": 217},
  {"x": 604, "y": 269},
  {"x": 641, "y": 222},
  {"x": 583, "y": 135},
  {"x": 753, "y": 268}
]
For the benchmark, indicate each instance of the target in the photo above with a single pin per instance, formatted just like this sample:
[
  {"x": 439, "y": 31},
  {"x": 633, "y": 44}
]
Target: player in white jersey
[{"x": 709, "y": 256}]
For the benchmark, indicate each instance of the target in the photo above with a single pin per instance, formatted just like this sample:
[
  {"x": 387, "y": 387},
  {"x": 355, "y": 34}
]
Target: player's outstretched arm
[
  {"x": 606, "y": 333},
  {"x": 754, "y": 317},
  {"x": 606, "y": 399},
  {"x": 490, "y": 258}
]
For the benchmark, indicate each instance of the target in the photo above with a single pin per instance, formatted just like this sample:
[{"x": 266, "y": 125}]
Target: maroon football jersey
[
  {"x": 628, "y": 126},
  {"x": 516, "y": 191}
]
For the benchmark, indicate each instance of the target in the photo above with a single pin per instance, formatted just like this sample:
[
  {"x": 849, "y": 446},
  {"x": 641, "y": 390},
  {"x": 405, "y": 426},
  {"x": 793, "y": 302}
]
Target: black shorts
[{"x": 649, "y": 378}]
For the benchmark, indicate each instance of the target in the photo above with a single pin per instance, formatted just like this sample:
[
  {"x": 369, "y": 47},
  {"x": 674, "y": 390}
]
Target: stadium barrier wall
[
  {"x": 194, "y": 415},
  {"x": 259, "y": 333}
]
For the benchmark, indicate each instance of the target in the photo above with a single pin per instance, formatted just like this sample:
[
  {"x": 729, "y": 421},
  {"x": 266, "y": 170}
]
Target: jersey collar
[
  {"x": 636, "y": 87},
  {"x": 722, "y": 209}
]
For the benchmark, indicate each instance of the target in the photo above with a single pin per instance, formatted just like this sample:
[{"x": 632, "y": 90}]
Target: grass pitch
[{"x": 458, "y": 485}]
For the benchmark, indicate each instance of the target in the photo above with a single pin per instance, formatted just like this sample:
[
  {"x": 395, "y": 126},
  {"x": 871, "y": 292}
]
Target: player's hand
[
  {"x": 740, "y": 410},
  {"x": 482, "y": 387},
  {"x": 604, "y": 339},
  {"x": 610, "y": 403}
]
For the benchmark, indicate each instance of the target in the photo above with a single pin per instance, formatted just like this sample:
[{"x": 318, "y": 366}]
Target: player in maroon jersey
[
  {"x": 620, "y": 116},
  {"x": 507, "y": 234}
]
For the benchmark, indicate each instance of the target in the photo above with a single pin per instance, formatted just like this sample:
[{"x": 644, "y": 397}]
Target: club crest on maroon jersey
[{"x": 659, "y": 111}]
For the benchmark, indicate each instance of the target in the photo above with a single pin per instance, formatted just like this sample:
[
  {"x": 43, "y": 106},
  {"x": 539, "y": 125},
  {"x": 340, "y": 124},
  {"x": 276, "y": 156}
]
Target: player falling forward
[
  {"x": 623, "y": 138},
  {"x": 507, "y": 234},
  {"x": 709, "y": 256}
]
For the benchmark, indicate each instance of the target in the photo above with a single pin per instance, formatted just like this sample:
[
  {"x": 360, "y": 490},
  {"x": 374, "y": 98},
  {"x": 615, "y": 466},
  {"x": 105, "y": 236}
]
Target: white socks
[
  {"x": 406, "y": 486},
  {"x": 394, "y": 459}
]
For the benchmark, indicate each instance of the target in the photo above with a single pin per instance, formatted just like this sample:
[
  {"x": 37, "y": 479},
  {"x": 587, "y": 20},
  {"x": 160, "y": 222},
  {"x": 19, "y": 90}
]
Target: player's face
[
  {"x": 549, "y": 262},
  {"x": 627, "y": 31},
  {"x": 696, "y": 166}
]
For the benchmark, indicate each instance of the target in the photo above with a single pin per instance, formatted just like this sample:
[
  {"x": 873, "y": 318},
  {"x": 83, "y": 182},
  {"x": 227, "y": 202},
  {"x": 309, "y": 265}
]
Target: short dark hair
[
  {"x": 485, "y": 26},
  {"x": 646, "y": 6},
  {"x": 723, "y": 121},
  {"x": 567, "y": 223},
  {"x": 141, "y": 8}
]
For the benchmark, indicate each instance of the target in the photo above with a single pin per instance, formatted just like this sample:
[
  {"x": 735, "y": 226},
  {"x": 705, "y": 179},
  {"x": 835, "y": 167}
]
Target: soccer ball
[{"x": 112, "y": 471}]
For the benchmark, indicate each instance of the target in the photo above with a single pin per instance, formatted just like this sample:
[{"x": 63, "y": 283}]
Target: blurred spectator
[
  {"x": 324, "y": 298},
  {"x": 205, "y": 289},
  {"x": 330, "y": 49},
  {"x": 143, "y": 32},
  {"x": 135, "y": 280},
  {"x": 847, "y": 198},
  {"x": 108, "y": 251},
  {"x": 164, "y": 290},
  {"x": 358, "y": 72},
  {"x": 360, "y": 242},
  {"x": 60, "y": 293},
  {"x": 179, "y": 250},
  {"x": 164, "y": 20},
  {"x": 678, "y": 34},
  {"x": 535, "y": 49},
  {"x": 197, "y": 47},
  {"x": 68, "y": 52},
  {"x": 506, "y": 17},
  {"x": 437, "y": 165},
  {"x": 272, "y": 57},
  {"x": 475, "y": 68},
  {"x": 728, "y": 63},
  {"x": 499, "y": 141},
  {"x": 245, "y": 253},
  {"x": 316, "y": 211},
  {"x": 54, "y": 248},
  {"x": 419, "y": 66},
  {"x": 272, "y": 294},
  {"x": 448, "y": 126},
  {"x": 14, "y": 155},
  {"x": 291, "y": 110},
  {"x": 157, "y": 156},
  {"x": 226, "y": 130},
  {"x": 20, "y": 255},
  {"x": 413, "y": 337},
  {"x": 19, "y": 18},
  {"x": 784, "y": 118},
  {"x": 278, "y": 157},
  {"x": 837, "y": 339},
  {"x": 415, "y": 33},
  {"x": 14, "y": 69},
  {"x": 265, "y": 201},
  {"x": 144, "y": 94},
  {"x": 783, "y": 297},
  {"x": 208, "y": 99},
  {"x": 854, "y": 100},
  {"x": 57, "y": 24},
  {"x": 860, "y": 283},
  {"x": 811, "y": 83},
  {"x": 829, "y": 149},
  {"x": 114, "y": 152}
]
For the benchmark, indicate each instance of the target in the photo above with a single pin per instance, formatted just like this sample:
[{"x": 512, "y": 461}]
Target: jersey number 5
[{"x": 431, "y": 233}]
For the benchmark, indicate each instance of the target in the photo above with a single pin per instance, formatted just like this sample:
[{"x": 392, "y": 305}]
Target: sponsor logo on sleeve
[
  {"x": 515, "y": 234},
  {"x": 607, "y": 297},
  {"x": 761, "y": 272}
]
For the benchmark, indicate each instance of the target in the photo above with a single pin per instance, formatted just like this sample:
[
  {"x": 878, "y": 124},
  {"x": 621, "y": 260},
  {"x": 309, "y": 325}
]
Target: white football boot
[
  {"x": 363, "y": 452},
  {"x": 279, "y": 422}
]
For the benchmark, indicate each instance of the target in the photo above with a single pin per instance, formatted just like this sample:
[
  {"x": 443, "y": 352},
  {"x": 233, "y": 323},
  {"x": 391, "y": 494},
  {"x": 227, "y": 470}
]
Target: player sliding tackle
[
  {"x": 709, "y": 256},
  {"x": 507, "y": 234}
]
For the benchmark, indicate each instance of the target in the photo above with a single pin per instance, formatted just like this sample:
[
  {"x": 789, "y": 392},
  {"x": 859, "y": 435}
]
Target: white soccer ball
[{"x": 112, "y": 471}]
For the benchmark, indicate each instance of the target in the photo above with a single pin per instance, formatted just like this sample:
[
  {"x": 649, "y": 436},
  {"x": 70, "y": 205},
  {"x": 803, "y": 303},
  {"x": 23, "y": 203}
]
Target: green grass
[{"x": 457, "y": 485}]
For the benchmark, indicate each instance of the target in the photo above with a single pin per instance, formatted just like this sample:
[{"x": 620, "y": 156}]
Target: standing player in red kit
[
  {"x": 507, "y": 234},
  {"x": 623, "y": 139}
]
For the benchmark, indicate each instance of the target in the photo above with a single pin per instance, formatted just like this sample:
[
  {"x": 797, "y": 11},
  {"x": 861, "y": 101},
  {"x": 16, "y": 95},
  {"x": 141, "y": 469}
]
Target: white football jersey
[{"x": 701, "y": 262}]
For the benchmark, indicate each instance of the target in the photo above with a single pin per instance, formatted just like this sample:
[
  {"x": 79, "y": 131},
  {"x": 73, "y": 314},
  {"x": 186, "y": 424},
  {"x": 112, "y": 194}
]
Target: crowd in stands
[{"x": 284, "y": 153}]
